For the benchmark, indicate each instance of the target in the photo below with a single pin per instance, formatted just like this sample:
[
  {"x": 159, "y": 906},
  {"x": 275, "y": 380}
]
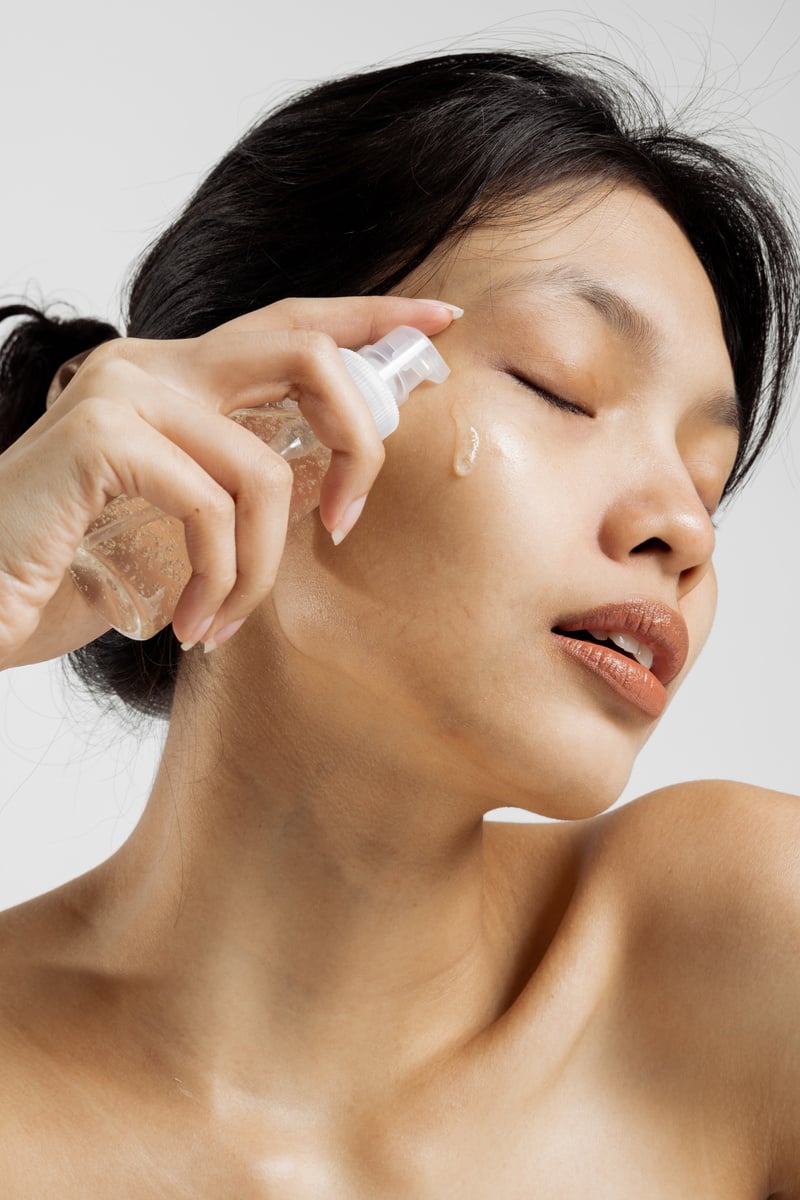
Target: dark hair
[{"x": 352, "y": 184}]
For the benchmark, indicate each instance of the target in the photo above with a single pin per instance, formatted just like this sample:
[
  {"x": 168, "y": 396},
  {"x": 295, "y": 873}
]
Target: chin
[
  {"x": 566, "y": 767},
  {"x": 578, "y": 797}
]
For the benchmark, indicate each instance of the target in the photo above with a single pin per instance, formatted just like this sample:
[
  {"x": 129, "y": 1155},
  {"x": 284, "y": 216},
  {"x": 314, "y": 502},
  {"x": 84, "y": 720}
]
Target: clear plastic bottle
[{"x": 132, "y": 563}]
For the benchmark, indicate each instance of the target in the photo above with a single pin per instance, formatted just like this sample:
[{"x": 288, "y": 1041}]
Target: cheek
[
  {"x": 446, "y": 551},
  {"x": 466, "y": 503}
]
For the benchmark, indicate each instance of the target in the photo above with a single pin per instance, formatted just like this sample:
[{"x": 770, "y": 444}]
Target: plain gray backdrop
[{"x": 111, "y": 113}]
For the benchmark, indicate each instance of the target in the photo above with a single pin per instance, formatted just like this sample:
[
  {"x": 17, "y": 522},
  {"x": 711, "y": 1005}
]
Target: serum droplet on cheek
[{"x": 467, "y": 439}]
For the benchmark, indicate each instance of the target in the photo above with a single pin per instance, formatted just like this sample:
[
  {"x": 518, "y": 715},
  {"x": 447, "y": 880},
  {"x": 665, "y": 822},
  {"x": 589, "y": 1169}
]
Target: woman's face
[{"x": 499, "y": 512}]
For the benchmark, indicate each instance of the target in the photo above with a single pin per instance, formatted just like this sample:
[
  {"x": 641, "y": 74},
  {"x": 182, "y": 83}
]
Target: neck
[{"x": 320, "y": 896}]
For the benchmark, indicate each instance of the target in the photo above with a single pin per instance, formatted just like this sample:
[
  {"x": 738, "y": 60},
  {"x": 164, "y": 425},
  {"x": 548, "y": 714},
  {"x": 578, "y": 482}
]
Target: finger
[
  {"x": 209, "y": 365},
  {"x": 229, "y": 360},
  {"x": 194, "y": 470},
  {"x": 307, "y": 365},
  {"x": 245, "y": 369},
  {"x": 260, "y": 484},
  {"x": 352, "y": 321},
  {"x": 237, "y": 371}
]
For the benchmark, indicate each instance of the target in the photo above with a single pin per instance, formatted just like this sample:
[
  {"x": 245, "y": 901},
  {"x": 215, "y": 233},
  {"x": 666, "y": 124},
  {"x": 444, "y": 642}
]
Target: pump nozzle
[{"x": 397, "y": 362}]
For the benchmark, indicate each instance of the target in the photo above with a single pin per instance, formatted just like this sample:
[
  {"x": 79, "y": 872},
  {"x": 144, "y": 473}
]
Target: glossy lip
[{"x": 651, "y": 622}]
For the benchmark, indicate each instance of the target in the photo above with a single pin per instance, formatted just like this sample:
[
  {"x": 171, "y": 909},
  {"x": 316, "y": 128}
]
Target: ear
[{"x": 63, "y": 375}]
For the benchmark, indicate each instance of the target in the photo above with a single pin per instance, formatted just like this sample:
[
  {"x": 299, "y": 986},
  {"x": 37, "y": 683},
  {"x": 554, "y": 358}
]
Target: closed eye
[{"x": 550, "y": 397}]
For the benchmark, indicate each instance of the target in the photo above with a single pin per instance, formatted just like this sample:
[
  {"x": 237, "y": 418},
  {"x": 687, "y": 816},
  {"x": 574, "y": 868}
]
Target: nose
[{"x": 658, "y": 515}]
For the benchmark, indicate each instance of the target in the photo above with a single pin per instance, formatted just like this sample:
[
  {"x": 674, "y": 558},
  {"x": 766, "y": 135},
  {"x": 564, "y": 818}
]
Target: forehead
[
  {"x": 622, "y": 232},
  {"x": 616, "y": 249}
]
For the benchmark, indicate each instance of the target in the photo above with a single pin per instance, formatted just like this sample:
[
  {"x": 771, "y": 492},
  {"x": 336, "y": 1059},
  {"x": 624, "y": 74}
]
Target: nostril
[{"x": 651, "y": 544}]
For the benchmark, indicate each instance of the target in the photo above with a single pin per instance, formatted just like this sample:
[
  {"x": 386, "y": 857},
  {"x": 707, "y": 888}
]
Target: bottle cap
[{"x": 390, "y": 368}]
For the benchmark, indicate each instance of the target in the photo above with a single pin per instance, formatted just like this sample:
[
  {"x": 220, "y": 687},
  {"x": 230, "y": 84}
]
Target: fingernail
[
  {"x": 348, "y": 520},
  {"x": 228, "y": 631},
  {"x": 453, "y": 308},
  {"x": 202, "y": 628},
  {"x": 222, "y": 635}
]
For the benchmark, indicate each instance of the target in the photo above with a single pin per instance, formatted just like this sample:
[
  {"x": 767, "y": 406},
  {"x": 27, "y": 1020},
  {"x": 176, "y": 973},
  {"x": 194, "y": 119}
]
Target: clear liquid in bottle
[{"x": 132, "y": 563}]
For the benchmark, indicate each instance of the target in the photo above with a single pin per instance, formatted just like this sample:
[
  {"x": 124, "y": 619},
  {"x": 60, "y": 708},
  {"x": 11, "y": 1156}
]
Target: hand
[{"x": 149, "y": 418}]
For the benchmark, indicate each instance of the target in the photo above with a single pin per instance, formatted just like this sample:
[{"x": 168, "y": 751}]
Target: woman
[{"x": 312, "y": 970}]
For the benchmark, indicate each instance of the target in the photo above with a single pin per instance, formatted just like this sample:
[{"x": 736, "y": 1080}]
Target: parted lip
[{"x": 651, "y": 622}]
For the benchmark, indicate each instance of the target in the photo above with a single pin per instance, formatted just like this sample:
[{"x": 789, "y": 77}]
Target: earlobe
[{"x": 63, "y": 375}]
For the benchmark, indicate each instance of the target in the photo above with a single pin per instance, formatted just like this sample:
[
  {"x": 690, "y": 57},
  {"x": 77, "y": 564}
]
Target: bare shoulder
[
  {"x": 728, "y": 800},
  {"x": 712, "y": 873},
  {"x": 716, "y": 850},
  {"x": 34, "y": 936}
]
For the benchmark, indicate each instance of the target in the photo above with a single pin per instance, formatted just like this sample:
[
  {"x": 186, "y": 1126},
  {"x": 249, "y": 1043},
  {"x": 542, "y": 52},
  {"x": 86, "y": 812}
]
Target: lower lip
[{"x": 623, "y": 675}]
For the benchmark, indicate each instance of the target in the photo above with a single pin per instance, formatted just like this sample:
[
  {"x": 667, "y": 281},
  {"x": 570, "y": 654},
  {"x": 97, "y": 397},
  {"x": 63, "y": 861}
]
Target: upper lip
[{"x": 654, "y": 624}]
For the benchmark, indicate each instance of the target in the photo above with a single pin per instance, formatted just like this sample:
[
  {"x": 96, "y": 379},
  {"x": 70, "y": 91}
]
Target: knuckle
[
  {"x": 311, "y": 343},
  {"x": 106, "y": 352},
  {"x": 261, "y": 585},
  {"x": 219, "y": 566},
  {"x": 288, "y": 307},
  {"x": 92, "y": 434},
  {"x": 274, "y": 472},
  {"x": 218, "y": 506},
  {"x": 373, "y": 454},
  {"x": 105, "y": 373},
  {"x": 94, "y": 417},
  {"x": 255, "y": 578},
  {"x": 101, "y": 353},
  {"x": 225, "y": 581}
]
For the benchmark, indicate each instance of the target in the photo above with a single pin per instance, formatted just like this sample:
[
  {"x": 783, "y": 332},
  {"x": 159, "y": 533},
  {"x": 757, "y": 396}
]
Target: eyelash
[{"x": 556, "y": 401}]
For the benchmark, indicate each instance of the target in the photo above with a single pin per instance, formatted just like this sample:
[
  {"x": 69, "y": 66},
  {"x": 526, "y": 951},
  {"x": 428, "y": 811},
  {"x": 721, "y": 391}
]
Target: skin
[{"x": 310, "y": 875}]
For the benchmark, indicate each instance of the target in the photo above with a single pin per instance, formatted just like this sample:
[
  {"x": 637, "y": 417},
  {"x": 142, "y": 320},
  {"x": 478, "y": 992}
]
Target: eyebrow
[{"x": 622, "y": 317}]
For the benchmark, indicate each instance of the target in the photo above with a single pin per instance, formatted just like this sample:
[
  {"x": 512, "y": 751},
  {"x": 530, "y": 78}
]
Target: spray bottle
[{"x": 132, "y": 563}]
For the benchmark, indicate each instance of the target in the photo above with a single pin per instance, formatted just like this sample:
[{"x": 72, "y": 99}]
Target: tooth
[
  {"x": 600, "y": 634},
  {"x": 625, "y": 642},
  {"x": 645, "y": 657},
  {"x": 642, "y": 654}
]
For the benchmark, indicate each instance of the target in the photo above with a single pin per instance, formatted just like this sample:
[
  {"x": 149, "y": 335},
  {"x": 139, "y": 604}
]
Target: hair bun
[{"x": 30, "y": 357}]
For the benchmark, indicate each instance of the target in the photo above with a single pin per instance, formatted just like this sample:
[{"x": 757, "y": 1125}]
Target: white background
[{"x": 112, "y": 113}]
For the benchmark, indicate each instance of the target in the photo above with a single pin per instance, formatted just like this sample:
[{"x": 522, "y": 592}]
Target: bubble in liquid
[
  {"x": 309, "y": 470},
  {"x": 132, "y": 565}
]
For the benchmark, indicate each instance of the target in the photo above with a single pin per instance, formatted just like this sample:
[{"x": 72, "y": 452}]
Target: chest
[
  {"x": 617, "y": 1074},
  {"x": 597, "y": 1129}
]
